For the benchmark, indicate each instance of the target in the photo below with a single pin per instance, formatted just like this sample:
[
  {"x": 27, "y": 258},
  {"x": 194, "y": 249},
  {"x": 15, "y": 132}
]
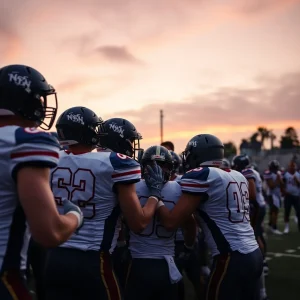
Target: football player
[
  {"x": 101, "y": 183},
  {"x": 274, "y": 182},
  {"x": 152, "y": 268},
  {"x": 291, "y": 179},
  {"x": 221, "y": 199},
  {"x": 241, "y": 163},
  {"x": 26, "y": 156},
  {"x": 122, "y": 137}
]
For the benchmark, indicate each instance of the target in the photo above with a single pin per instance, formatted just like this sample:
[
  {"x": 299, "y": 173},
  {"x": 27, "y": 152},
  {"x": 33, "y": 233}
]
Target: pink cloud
[{"x": 231, "y": 113}]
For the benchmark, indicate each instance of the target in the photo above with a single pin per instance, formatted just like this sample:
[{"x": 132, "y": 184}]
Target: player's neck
[{"x": 80, "y": 149}]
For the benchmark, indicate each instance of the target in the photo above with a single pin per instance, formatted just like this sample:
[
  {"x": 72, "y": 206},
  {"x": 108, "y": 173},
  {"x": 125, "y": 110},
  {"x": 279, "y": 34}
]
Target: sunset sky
[{"x": 214, "y": 66}]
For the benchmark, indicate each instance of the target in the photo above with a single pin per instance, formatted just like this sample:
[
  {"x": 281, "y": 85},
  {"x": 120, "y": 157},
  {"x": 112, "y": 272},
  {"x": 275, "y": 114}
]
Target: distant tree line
[{"x": 256, "y": 142}]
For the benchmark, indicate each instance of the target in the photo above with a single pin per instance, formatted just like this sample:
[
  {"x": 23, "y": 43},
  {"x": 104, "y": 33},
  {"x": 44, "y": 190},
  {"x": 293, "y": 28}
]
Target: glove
[
  {"x": 154, "y": 179},
  {"x": 186, "y": 253},
  {"x": 71, "y": 208}
]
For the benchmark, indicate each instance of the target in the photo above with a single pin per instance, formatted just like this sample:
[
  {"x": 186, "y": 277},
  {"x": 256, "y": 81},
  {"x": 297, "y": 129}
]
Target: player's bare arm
[
  {"x": 137, "y": 217},
  {"x": 279, "y": 181},
  {"x": 271, "y": 184},
  {"x": 252, "y": 189},
  {"x": 46, "y": 225},
  {"x": 185, "y": 207}
]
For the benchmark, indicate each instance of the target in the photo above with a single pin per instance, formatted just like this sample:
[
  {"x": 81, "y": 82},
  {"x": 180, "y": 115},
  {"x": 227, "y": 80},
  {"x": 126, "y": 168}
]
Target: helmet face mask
[
  {"x": 48, "y": 113},
  {"x": 161, "y": 156}
]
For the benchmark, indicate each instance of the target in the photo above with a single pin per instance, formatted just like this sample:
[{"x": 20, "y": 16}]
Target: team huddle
[{"x": 104, "y": 219}]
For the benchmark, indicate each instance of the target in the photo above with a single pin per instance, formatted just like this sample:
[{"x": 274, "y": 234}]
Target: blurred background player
[
  {"x": 101, "y": 183},
  {"x": 291, "y": 179},
  {"x": 169, "y": 145},
  {"x": 26, "y": 156},
  {"x": 153, "y": 274},
  {"x": 274, "y": 182}
]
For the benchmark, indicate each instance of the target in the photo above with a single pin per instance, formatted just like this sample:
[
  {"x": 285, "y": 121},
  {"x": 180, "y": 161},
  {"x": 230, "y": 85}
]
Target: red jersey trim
[
  {"x": 126, "y": 173},
  {"x": 34, "y": 153}
]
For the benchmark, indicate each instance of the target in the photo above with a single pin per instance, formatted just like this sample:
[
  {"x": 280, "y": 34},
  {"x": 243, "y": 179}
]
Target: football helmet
[
  {"x": 79, "y": 125},
  {"x": 163, "y": 158},
  {"x": 177, "y": 162},
  {"x": 240, "y": 162},
  {"x": 122, "y": 137},
  {"x": 274, "y": 166},
  {"x": 25, "y": 92},
  {"x": 203, "y": 150}
]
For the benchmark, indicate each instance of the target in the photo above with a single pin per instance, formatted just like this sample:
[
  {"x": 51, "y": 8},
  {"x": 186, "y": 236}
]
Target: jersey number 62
[{"x": 77, "y": 186}]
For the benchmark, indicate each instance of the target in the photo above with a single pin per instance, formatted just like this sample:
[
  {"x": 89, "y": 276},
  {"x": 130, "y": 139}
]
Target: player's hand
[
  {"x": 154, "y": 179},
  {"x": 71, "y": 208}
]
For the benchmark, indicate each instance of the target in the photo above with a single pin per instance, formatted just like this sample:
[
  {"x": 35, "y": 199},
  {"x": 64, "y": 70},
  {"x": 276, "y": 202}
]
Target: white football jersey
[
  {"x": 291, "y": 186},
  {"x": 155, "y": 241},
  {"x": 250, "y": 173},
  {"x": 224, "y": 216},
  {"x": 272, "y": 192},
  {"x": 88, "y": 180},
  {"x": 19, "y": 147}
]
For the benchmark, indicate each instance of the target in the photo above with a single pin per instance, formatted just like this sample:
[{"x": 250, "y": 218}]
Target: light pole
[{"x": 161, "y": 126}]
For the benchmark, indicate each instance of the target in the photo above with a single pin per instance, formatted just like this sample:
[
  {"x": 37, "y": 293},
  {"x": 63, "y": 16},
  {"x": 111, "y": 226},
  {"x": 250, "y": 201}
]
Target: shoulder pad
[
  {"x": 198, "y": 174},
  {"x": 121, "y": 161},
  {"x": 35, "y": 136},
  {"x": 247, "y": 172}
]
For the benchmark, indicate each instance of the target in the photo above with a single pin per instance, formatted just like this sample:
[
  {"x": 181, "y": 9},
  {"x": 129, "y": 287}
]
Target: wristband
[
  {"x": 77, "y": 215},
  {"x": 159, "y": 204},
  {"x": 154, "y": 198}
]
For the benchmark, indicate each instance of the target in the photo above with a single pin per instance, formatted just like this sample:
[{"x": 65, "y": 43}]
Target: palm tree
[
  {"x": 264, "y": 134},
  {"x": 272, "y": 137}
]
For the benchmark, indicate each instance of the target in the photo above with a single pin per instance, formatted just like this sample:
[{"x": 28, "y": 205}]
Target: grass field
[{"x": 283, "y": 282}]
